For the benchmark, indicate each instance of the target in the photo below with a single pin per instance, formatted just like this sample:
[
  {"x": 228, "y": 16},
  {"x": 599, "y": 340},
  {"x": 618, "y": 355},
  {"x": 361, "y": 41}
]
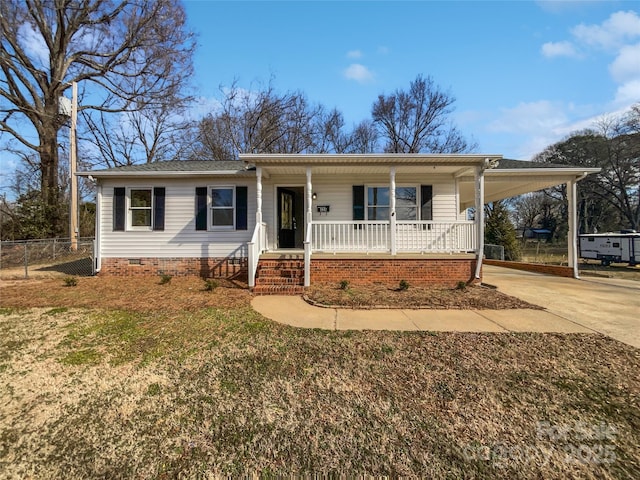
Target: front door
[{"x": 287, "y": 223}]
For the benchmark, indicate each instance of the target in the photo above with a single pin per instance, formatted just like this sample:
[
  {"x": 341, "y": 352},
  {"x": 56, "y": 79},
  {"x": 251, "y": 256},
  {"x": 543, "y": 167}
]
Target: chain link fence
[
  {"x": 46, "y": 258},
  {"x": 494, "y": 252}
]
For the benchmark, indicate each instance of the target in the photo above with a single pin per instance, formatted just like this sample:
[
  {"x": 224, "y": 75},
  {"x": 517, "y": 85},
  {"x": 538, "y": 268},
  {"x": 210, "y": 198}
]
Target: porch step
[
  {"x": 278, "y": 290},
  {"x": 279, "y": 277}
]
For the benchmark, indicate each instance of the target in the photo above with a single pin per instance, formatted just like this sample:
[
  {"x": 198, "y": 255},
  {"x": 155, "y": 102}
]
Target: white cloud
[
  {"x": 354, "y": 54},
  {"x": 628, "y": 93},
  {"x": 626, "y": 66},
  {"x": 382, "y": 50},
  {"x": 618, "y": 29},
  {"x": 559, "y": 49},
  {"x": 530, "y": 117},
  {"x": 358, "y": 72},
  {"x": 33, "y": 44}
]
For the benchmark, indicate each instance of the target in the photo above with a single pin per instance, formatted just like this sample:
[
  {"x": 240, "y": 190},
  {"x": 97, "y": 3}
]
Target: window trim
[
  {"x": 367, "y": 205},
  {"x": 210, "y": 208},
  {"x": 129, "y": 209}
]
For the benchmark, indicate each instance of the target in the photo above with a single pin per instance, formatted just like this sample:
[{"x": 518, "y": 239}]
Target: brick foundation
[
  {"x": 425, "y": 272},
  {"x": 181, "y": 266},
  {"x": 557, "y": 270}
]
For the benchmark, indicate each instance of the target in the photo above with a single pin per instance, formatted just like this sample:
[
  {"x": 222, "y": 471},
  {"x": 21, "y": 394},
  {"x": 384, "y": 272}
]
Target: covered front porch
[
  {"x": 363, "y": 204},
  {"x": 390, "y": 204}
]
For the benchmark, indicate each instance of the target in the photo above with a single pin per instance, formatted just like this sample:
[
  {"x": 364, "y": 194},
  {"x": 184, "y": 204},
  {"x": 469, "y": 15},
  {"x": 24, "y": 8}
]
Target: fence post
[{"x": 26, "y": 261}]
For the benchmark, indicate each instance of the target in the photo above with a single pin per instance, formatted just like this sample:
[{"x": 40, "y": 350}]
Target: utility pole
[{"x": 73, "y": 200}]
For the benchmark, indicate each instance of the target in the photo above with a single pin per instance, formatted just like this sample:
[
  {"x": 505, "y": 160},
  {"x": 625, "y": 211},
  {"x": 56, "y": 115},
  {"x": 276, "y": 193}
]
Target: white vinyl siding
[{"x": 179, "y": 237}]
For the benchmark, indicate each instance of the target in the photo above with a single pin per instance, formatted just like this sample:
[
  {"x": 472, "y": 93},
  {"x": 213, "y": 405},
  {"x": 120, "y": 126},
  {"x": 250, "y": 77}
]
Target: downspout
[
  {"x": 479, "y": 188},
  {"x": 97, "y": 265}
]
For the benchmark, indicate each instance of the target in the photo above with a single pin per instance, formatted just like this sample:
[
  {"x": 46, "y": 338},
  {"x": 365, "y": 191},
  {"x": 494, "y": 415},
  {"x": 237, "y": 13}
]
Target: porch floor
[{"x": 295, "y": 254}]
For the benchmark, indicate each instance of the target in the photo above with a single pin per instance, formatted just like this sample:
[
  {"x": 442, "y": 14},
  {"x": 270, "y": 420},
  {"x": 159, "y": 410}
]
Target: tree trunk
[{"x": 49, "y": 187}]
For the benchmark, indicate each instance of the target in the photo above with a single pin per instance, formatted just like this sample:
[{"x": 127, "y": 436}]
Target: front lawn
[{"x": 176, "y": 381}]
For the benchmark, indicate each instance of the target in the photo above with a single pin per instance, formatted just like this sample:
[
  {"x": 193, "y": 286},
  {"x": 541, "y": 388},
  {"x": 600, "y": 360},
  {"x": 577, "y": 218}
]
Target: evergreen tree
[{"x": 499, "y": 230}]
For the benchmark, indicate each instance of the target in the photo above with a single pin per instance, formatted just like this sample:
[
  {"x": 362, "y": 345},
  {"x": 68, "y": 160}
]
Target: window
[
  {"x": 406, "y": 203},
  {"x": 378, "y": 203},
  {"x": 222, "y": 207},
  {"x": 140, "y": 207}
]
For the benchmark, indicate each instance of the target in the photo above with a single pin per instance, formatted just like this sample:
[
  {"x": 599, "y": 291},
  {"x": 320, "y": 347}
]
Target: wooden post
[{"x": 73, "y": 200}]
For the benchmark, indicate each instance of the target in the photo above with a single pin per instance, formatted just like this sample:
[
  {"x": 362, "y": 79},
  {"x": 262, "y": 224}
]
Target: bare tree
[
  {"x": 142, "y": 136},
  {"x": 126, "y": 55},
  {"x": 609, "y": 200},
  {"x": 418, "y": 120},
  {"x": 262, "y": 121}
]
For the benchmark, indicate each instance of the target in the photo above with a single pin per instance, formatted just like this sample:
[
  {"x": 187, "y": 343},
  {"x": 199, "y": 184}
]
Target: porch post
[
  {"x": 392, "y": 208},
  {"x": 309, "y": 198},
  {"x": 479, "y": 187},
  {"x": 308, "y": 233},
  {"x": 258, "y": 195},
  {"x": 572, "y": 237}
]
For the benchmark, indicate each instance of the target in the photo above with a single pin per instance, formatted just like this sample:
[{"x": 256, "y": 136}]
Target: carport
[{"x": 508, "y": 178}]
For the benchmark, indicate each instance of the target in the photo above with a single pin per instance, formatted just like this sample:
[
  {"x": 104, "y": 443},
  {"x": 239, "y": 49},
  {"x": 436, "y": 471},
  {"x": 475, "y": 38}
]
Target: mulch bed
[
  {"x": 190, "y": 294},
  {"x": 474, "y": 297}
]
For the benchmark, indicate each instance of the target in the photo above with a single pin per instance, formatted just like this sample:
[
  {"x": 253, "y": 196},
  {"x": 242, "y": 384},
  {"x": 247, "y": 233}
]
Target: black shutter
[
  {"x": 158, "y": 208},
  {"x": 201, "y": 208},
  {"x": 241, "y": 208},
  {"x": 118, "y": 209},
  {"x": 358, "y": 202},
  {"x": 426, "y": 201}
]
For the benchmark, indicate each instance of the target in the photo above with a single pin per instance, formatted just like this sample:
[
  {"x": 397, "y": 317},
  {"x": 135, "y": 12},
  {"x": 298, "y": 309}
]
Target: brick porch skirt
[{"x": 390, "y": 271}]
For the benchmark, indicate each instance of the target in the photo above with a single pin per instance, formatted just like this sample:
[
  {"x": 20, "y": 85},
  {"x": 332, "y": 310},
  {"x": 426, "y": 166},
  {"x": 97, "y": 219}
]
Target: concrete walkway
[
  {"x": 295, "y": 311},
  {"x": 591, "y": 304}
]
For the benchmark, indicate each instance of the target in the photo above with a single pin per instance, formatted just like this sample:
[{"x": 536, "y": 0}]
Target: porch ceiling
[{"x": 501, "y": 184}]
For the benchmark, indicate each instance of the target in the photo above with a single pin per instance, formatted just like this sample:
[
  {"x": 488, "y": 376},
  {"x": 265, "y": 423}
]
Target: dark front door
[{"x": 286, "y": 218}]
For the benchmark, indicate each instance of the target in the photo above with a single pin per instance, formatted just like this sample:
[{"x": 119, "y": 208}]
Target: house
[{"x": 292, "y": 220}]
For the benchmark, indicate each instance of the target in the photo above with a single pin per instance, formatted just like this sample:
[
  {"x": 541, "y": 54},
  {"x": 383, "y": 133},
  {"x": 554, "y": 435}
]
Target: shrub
[
  {"x": 210, "y": 285},
  {"x": 461, "y": 285},
  {"x": 164, "y": 279},
  {"x": 344, "y": 284},
  {"x": 404, "y": 285},
  {"x": 70, "y": 281}
]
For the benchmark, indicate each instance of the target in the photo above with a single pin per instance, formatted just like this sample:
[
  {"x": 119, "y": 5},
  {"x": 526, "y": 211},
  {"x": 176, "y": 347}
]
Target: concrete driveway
[{"x": 606, "y": 305}]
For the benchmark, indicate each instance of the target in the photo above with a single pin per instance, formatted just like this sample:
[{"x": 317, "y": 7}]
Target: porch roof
[{"x": 517, "y": 177}]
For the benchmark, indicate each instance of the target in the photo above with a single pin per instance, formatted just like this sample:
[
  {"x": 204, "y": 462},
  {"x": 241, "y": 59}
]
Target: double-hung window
[
  {"x": 378, "y": 203},
  {"x": 140, "y": 208},
  {"x": 223, "y": 203},
  {"x": 220, "y": 207}
]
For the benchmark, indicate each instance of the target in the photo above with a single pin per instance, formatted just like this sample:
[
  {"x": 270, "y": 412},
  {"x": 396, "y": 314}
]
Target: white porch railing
[
  {"x": 256, "y": 246},
  {"x": 355, "y": 236},
  {"x": 410, "y": 236},
  {"x": 435, "y": 236}
]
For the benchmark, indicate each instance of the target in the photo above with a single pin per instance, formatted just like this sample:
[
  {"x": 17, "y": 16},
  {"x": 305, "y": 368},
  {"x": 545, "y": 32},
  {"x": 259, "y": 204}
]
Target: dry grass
[
  {"x": 199, "y": 385},
  {"x": 381, "y": 296}
]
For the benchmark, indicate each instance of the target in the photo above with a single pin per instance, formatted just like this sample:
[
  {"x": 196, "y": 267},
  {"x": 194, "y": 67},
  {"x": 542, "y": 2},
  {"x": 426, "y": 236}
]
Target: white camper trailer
[{"x": 611, "y": 247}]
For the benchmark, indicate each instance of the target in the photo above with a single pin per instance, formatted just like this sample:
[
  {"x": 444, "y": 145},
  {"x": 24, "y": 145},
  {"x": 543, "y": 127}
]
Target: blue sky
[{"x": 524, "y": 74}]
